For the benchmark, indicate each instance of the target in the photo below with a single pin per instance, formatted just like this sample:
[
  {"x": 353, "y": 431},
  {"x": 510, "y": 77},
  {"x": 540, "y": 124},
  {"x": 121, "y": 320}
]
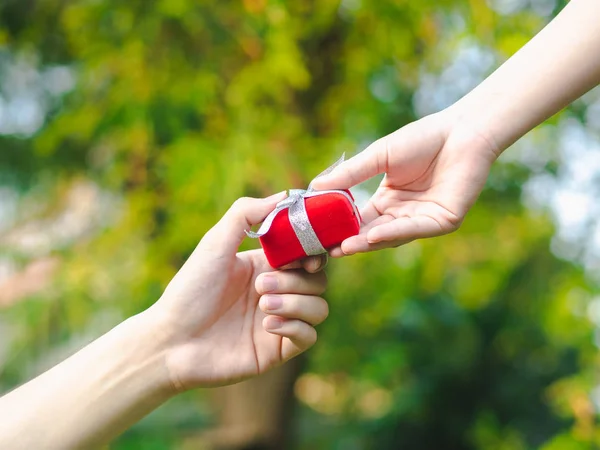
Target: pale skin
[
  {"x": 436, "y": 167},
  {"x": 225, "y": 317},
  {"x": 217, "y": 324}
]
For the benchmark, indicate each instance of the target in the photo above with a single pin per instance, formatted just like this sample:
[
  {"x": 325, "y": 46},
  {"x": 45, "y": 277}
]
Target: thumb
[
  {"x": 368, "y": 163},
  {"x": 227, "y": 235}
]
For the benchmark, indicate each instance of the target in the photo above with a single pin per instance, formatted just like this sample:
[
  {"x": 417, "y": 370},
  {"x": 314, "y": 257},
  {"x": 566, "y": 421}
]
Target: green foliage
[{"x": 477, "y": 340}]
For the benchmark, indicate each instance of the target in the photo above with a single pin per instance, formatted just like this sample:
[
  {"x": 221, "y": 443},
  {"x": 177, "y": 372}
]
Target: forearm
[
  {"x": 91, "y": 397},
  {"x": 556, "y": 67}
]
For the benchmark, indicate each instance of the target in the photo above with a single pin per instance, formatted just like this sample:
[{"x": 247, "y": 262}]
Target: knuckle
[
  {"x": 311, "y": 338},
  {"x": 312, "y": 283},
  {"x": 384, "y": 155},
  {"x": 325, "y": 310},
  {"x": 453, "y": 222},
  {"x": 304, "y": 333},
  {"x": 446, "y": 222},
  {"x": 326, "y": 307},
  {"x": 241, "y": 203},
  {"x": 456, "y": 223},
  {"x": 292, "y": 305}
]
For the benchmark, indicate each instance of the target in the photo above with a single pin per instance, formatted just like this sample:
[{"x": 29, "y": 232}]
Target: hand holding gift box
[{"x": 307, "y": 223}]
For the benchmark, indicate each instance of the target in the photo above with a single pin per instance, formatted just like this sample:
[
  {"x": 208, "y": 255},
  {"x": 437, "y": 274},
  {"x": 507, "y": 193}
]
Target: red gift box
[{"x": 333, "y": 217}]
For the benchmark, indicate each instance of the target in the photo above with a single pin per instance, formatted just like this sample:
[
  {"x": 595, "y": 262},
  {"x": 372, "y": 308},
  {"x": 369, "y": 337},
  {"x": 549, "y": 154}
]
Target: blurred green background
[{"x": 128, "y": 128}]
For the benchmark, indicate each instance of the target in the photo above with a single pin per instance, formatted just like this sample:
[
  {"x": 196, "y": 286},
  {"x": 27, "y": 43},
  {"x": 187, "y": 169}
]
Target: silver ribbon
[{"x": 298, "y": 216}]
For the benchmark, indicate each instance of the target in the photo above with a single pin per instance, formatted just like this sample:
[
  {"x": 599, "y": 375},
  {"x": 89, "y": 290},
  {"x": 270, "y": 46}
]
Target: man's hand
[{"x": 229, "y": 316}]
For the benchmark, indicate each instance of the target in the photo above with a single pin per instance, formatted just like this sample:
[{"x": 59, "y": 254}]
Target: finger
[
  {"x": 363, "y": 246},
  {"x": 369, "y": 213},
  {"x": 291, "y": 282},
  {"x": 311, "y": 264},
  {"x": 375, "y": 223},
  {"x": 399, "y": 149},
  {"x": 307, "y": 308},
  {"x": 407, "y": 228},
  {"x": 345, "y": 248},
  {"x": 387, "y": 231},
  {"x": 298, "y": 336},
  {"x": 227, "y": 235},
  {"x": 336, "y": 252},
  {"x": 368, "y": 163},
  {"x": 315, "y": 264},
  {"x": 359, "y": 242}
]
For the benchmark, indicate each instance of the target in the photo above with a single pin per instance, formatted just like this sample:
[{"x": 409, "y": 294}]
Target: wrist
[
  {"x": 481, "y": 113},
  {"x": 153, "y": 339},
  {"x": 103, "y": 389},
  {"x": 473, "y": 129},
  {"x": 168, "y": 333}
]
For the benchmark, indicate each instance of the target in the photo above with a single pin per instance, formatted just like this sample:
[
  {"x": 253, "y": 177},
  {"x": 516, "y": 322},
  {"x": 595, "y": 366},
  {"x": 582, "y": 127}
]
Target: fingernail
[
  {"x": 345, "y": 251},
  {"x": 316, "y": 265},
  {"x": 270, "y": 283},
  {"x": 273, "y": 323},
  {"x": 320, "y": 262},
  {"x": 271, "y": 302}
]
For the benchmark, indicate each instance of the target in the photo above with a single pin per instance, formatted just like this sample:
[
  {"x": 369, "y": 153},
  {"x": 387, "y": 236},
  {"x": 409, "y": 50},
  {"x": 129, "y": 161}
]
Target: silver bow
[{"x": 298, "y": 216}]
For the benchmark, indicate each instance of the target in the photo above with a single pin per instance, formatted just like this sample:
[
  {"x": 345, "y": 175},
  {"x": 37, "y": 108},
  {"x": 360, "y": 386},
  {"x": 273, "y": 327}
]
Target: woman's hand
[
  {"x": 437, "y": 166},
  {"x": 228, "y": 316},
  {"x": 434, "y": 169}
]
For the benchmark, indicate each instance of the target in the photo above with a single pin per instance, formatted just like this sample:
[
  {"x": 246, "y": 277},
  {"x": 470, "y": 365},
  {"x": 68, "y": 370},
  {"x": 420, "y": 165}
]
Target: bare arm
[
  {"x": 225, "y": 317},
  {"x": 437, "y": 166},
  {"x": 555, "y": 68},
  {"x": 91, "y": 397}
]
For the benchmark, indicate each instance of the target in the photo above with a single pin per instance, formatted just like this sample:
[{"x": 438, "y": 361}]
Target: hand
[
  {"x": 434, "y": 169},
  {"x": 230, "y": 316}
]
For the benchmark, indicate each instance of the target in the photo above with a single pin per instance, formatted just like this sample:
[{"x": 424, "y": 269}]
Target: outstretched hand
[{"x": 434, "y": 171}]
